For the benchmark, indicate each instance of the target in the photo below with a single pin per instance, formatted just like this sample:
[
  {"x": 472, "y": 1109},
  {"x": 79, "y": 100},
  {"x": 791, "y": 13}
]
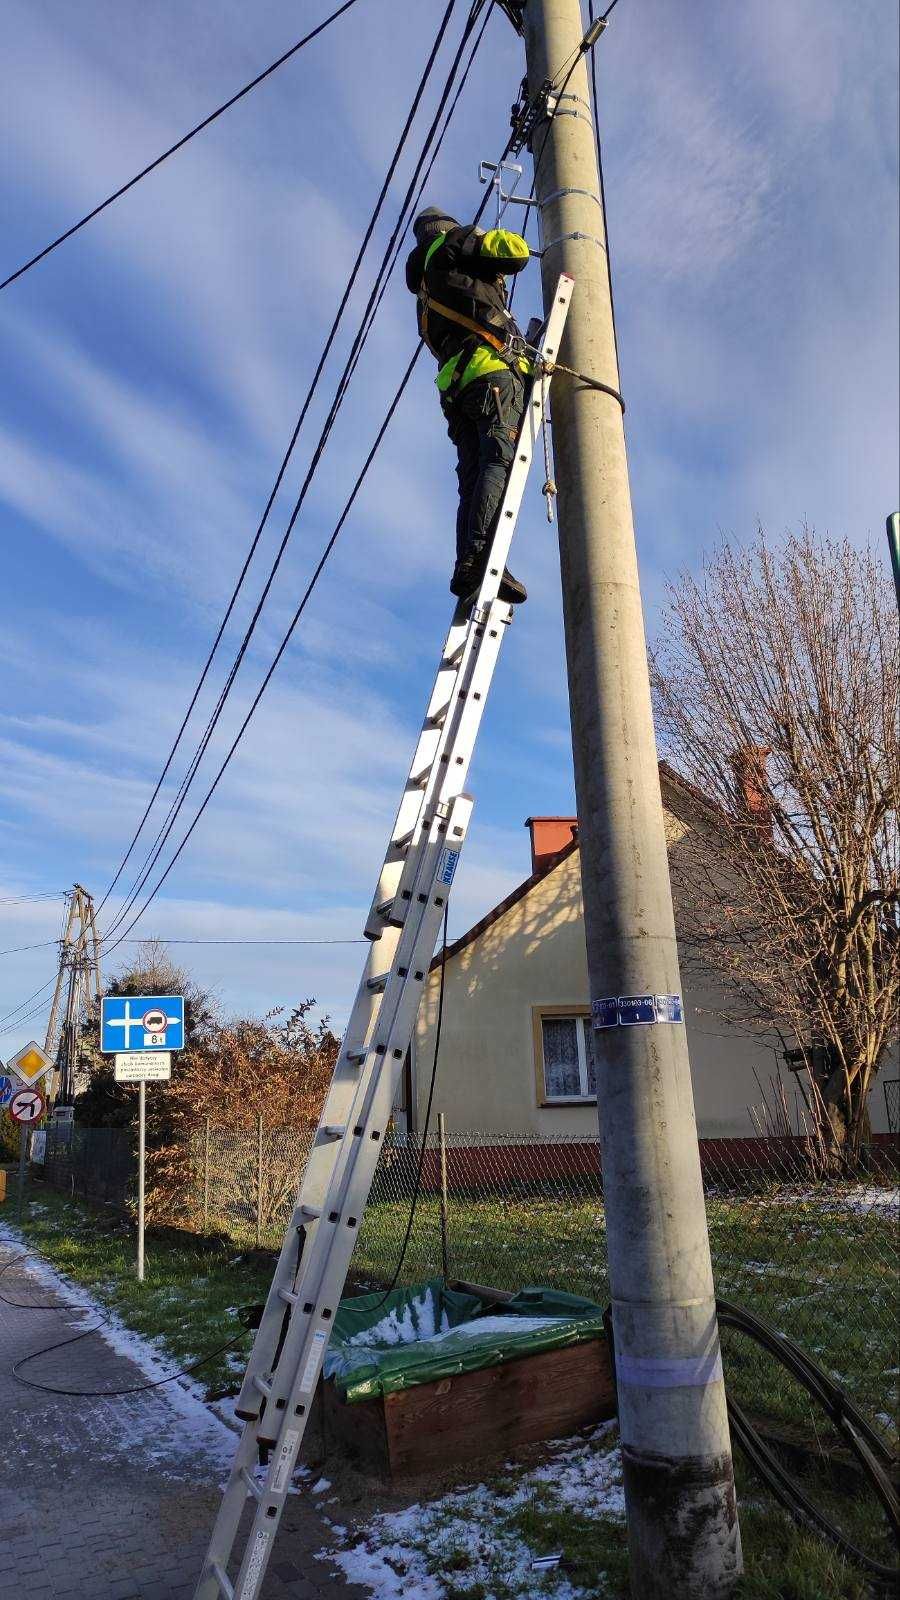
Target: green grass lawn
[
  {"x": 826, "y": 1279},
  {"x": 192, "y": 1287}
]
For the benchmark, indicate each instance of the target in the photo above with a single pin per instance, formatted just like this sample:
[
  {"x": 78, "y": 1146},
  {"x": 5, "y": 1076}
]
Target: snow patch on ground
[
  {"x": 868, "y": 1202},
  {"x": 470, "y": 1533}
]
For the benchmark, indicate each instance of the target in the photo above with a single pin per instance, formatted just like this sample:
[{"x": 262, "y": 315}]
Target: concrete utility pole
[
  {"x": 682, "y": 1520},
  {"x": 79, "y": 966}
]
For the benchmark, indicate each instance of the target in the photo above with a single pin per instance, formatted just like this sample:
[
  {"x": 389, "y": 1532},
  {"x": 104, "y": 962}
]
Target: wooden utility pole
[{"x": 682, "y": 1522}]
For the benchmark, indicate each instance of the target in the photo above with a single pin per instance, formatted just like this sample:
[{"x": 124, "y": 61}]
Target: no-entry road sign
[
  {"x": 27, "y": 1106},
  {"x": 141, "y": 1022}
]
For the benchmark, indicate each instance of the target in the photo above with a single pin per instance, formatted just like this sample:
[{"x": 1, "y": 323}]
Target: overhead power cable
[
  {"x": 179, "y": 143},
  {"x": 192, "y": 766},
  {"x": 388, "y": 262},
  {"x": 23, "y": 1003},
  {"x": 282, "y": 647},
  {"x": 31, "y": 899}
]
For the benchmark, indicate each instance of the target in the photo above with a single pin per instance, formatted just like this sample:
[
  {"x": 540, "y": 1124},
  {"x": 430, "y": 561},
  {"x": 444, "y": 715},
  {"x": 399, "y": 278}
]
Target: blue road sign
[
  {"x": 141, "y": 1022},
  {"x": 7, "y": 1090}
]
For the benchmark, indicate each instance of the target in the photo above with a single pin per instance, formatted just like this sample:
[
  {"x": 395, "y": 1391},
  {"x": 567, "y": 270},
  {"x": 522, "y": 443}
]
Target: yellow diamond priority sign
[{"x": 30, "y": 1064}]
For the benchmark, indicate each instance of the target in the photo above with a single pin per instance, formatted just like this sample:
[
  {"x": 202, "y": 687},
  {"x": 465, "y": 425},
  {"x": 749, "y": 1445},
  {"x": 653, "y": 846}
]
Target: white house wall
[{"x": 533, "y": 955}]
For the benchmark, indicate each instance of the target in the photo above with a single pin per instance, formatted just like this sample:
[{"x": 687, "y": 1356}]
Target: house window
[{"x": 567, "y": 1058}]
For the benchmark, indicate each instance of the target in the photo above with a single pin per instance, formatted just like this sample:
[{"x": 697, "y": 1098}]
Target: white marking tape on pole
[{"x": 662, "y": 1372}]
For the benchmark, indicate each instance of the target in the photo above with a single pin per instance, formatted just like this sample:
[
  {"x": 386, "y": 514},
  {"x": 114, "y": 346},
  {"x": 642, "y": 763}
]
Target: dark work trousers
[{"x": 483, "y": 422}]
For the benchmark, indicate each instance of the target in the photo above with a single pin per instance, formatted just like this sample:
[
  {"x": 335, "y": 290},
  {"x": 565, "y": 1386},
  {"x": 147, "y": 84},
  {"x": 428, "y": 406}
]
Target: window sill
[{"x": 568, "y": 1100}]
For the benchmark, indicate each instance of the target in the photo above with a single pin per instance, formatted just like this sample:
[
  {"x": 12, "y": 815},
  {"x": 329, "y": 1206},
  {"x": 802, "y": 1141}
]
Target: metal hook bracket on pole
[{"x": 505, "y": 197}]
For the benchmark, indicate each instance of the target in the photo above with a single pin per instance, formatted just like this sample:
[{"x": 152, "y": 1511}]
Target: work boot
[{"x": 467, "y": 576}]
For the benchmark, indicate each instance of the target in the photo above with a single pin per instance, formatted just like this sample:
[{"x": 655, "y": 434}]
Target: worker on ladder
[{"x": 458, "y": 275}]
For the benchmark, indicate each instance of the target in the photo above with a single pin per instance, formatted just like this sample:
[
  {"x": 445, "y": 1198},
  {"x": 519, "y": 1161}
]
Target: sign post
[
  {"x": 142, "y": 1152},
  {"x": 141, "y": 1032}
]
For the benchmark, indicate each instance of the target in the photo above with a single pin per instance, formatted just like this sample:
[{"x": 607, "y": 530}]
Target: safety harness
[{"x": 503, "y": 344}]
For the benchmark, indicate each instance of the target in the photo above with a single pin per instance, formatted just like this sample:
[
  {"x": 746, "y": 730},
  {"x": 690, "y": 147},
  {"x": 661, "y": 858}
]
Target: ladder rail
[
  {"x": 403, "y": 925},
  {"x": 296, "y": 1376}
]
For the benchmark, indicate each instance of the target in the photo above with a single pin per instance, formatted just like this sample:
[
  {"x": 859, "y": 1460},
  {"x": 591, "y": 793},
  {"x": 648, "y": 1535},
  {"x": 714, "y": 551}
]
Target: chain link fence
[
  {"x": 816, "y": 1257},
  {"x": 94, "y": 1163}
]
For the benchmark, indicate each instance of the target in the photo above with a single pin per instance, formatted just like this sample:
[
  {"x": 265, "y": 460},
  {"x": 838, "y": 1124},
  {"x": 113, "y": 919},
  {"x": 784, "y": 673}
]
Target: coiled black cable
[{"x": 875, "y": 1459}]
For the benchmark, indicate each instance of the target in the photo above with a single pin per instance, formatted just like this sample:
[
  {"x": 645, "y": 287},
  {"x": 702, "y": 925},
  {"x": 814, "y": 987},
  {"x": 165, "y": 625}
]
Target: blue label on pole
[
  {"x": 627, "y": 1010},
  {"x": 7, "y": 1090},
  {"x": 141, "y": 1022},
  {"x": 668, "y": 1008},
  {"x": 636, "y": 1008},
  {"x": 447, "y": 866},
  {"x": 605, "y": 1013}
]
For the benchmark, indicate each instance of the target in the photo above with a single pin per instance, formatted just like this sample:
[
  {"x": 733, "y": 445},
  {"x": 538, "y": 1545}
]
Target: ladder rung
[
  {"x": 455, "y": 656},
  {"x": 255, "y": 1489},
  {"x": 356, "y": 1055},
  {"x": 377, "y": 984},
  {"x": 384, "y": 907},
  {"x": 262, "y": 1387},
  {"x": 288, "y": 1296},
  {"x": 419, "y": 780},
  {"x": 334, "y": 1130},
  {"x": 222, "y": 1579},
  {"x": 311, "y": 1213},
  {"x": 439, "y": 717}
]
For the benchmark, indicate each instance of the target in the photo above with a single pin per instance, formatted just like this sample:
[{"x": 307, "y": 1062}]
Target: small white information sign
[{"x": 143, "y": 1066}]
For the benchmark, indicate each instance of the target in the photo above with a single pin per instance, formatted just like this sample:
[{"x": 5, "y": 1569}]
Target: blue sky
[{"x": 154, "y": 366}]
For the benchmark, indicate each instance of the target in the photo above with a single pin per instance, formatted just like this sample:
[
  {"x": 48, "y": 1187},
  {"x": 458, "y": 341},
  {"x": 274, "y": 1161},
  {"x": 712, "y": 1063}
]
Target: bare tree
[{"x": 776, "y": 697}]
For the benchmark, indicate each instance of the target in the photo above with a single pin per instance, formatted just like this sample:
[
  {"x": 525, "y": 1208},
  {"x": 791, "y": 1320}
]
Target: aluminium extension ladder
[{"x": 402, "y": 926}]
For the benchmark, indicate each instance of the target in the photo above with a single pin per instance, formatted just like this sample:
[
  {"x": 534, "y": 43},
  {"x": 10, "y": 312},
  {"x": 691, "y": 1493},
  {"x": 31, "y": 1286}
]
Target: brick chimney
[
  {"x": 549, "y": 835},
  {"x": 752, "y": 784}
]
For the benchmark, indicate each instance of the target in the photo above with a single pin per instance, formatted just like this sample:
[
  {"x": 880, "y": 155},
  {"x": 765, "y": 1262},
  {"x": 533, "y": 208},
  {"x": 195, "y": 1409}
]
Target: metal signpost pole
[
  {"x": 683, "y": 1534},
  {"x": 23, "y": 1164},
  {"x": 142, "y": 1147}
]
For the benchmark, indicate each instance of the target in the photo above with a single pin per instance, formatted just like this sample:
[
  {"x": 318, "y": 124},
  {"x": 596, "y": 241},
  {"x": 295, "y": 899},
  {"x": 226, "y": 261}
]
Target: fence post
[
  {"x": 259, "y": 1178},
  {"x": 445, "y": 1219},
  {"x": 206, "y": 1180}
]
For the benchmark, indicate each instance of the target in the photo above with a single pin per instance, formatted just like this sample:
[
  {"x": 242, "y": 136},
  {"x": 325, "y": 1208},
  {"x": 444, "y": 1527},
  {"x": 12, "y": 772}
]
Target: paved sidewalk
[{"x": 114, "y": 1498}]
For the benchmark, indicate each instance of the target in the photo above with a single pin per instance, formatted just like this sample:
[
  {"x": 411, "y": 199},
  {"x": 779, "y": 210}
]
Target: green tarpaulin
[{"x": 427, "y": 1331}]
